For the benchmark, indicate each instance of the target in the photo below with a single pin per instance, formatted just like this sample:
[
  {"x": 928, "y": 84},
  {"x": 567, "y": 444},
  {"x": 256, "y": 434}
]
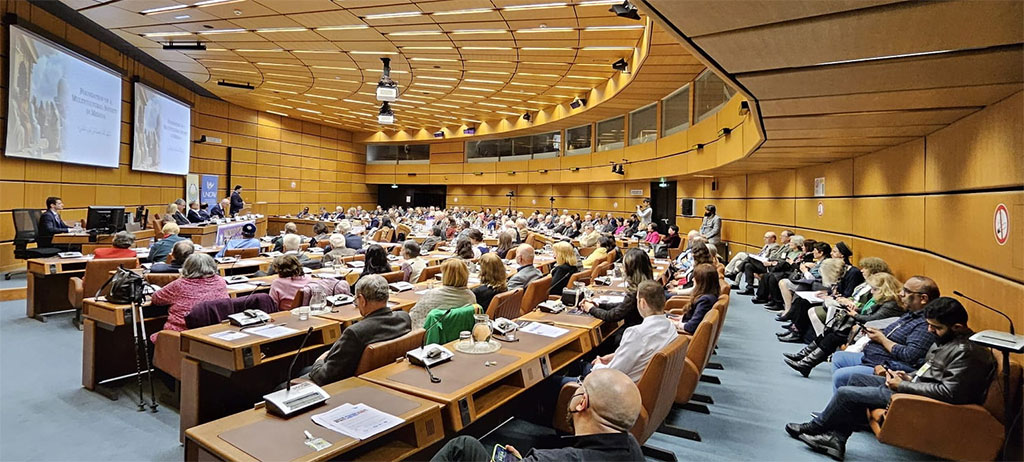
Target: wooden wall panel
[{"x": 950, "y": 218}]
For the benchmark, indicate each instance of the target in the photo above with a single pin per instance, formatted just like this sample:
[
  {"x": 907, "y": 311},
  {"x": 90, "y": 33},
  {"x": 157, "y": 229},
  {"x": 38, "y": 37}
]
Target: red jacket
[{"x": 113, "y": 252}]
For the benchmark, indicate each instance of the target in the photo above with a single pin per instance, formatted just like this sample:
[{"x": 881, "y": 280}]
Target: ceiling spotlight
[
  {"x": 394, "y": 185},
  {"x": 725, "y": 131},
  {"x": 244, "y": 86},
  {"x": 198, "y": 46},
  {"x": 744, "y": 108},
  {"x": 625, "y": 10},
  {"x": 621, "y": 65},
  {"x": 527, "y": 116},
  {"x": 469, "y": 131},
  {"x": 386, "y": 116},
  {"x": 578, "y": 103},
  {"x": 439, "y": 134},
  {"x": 387, "y": 89}
]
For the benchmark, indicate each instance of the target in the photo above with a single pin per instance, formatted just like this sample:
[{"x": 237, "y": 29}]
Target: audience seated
[
  {"x": 194, "y": 215},
  {"x": 413, "y": 263},
  {"x": 706, "y": 289},
  {"x": 338, "y": 250},
  {"x": 176, "y": 213},
  {"x": 352, "y": 240},
  {"x": 476, "y": 242},
  {"x": 492, "y": 279},
  {"x": 160, "y": 249},
  {"x": 452, "y": 293},
  {"x": 121, "y": 247},
  {"x": 464, "y": 249},
  {"x": 248, "y": 240},
  {"x": 290, "y": 279},
  {"x": 638, "y": 269},
  {"x": 699, "y": 254},
  {"x": 376, "y": 261},
  {"x": 732, "y": 270},
  {"x": 807, "y": 277},
  {"x": 960, "y": 372},
  {"x": 605, "y": 245},
  {"x": 199, "y": 282},
  {"x": 565, "y": 266},
  {"x": 506, "y": 242},
  {"x": 181, "y": 251},
  {"x": 671, "y": 239},
  {"x": 603, "y": 411},
  {"x": 899, "y": 346},
  {"x": 436, "y": 236},
  {"x": 379, "y": 324},
  {"x": 653, "y": 236},
  {"x": 590, "y": 236},
  {"x": 526, "y": 272}
]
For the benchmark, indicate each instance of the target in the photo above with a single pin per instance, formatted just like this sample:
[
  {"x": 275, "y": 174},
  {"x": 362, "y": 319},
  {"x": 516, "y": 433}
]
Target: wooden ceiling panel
[
  {"x": 956, "y": 97},
  {"x": 868, "y": 119},
  {"x": 937, "y": 71},
  {"x": 298, "y": 6},
  {"x": 702, "y": 17},
  {"x": 923, "y": 26}
]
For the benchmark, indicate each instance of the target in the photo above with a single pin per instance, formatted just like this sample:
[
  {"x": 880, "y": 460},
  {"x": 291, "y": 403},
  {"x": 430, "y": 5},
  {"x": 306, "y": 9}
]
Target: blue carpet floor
[{"x": 45, "y": 414}]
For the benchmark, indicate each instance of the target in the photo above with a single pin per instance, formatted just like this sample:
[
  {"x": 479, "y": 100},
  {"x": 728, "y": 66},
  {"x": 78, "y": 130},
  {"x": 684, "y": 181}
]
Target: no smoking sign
[{"x": 1001, "y": 224}]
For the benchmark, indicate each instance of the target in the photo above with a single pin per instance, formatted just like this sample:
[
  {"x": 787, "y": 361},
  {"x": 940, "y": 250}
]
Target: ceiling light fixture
[
  {"x": 607, "y": 28},
  {"x": 221, "y": 31},
  {"x": 534, "y": 6},
  {"x": 415, "y": 32},
  {"x": 280, "y": 29},
  {"x": 621, "y": 65},
  {"x": 527, "y": 117},
  {"x": 344, "y": 27},
  {"x": 387, "y": 89},
  {"x": 404, "y": 14},
  {"x": 163, "y": 9},
  {"x": 578, "y": 103},
  {"x": 386, "y": 116},
  {"x": 461, "y": 12},
  {"x": 479, "y": 31},
  {"x": 277, "y": 113},
  {"x": 198, "y": 46},
  {"x": 539, "y": 30},
  {"x": 308, "y": 110},
  {"x": 363, "y": 52},
  {"x": 167, "y": 34},
  {"x": 244, "y": 86}
]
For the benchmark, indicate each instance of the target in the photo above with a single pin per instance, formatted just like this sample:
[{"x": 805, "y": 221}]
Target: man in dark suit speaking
[
  {"x": 237, "y": 204},
  {"x": 50, "y": 222}
]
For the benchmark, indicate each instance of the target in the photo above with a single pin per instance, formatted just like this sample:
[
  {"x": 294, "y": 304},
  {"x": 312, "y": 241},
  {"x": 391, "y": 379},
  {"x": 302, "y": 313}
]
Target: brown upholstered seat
[
  {"x": 380, "y": 354},
  {"x": 949, "y": 431},
  {"x": 250, "y": 252},
  {"x": 429, "y": 272},
  {"x": 507, "y": 305},
  {"x": 97, "y": 272},
  {"x": 161, "y": 279},
  {"x": 536, "y": 292},
  {"x": 697, "y": 357},
  {"x": 394, "y": 276}
]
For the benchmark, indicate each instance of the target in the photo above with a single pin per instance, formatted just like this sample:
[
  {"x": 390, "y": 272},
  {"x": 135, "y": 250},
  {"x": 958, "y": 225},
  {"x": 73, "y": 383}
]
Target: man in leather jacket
[{"x": 956, "y": 371}]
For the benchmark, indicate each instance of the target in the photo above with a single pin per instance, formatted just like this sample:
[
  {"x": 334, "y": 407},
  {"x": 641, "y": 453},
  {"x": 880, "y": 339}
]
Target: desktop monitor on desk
[{"x": 105, "y": 219}]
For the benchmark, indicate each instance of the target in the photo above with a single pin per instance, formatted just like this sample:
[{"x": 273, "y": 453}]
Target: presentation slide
[
  {"x": 163, "y": 128},
  {"x": 61, "y": 106}
]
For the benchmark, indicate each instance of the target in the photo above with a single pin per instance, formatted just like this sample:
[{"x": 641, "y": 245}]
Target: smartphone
[
  {"x": 889, "y": 373},
  {"x": 500, "y": 454}
]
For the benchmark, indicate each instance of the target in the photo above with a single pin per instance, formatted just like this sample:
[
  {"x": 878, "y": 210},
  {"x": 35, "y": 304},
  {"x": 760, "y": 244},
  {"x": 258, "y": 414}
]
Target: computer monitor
[{"x": 105, "y": 219}]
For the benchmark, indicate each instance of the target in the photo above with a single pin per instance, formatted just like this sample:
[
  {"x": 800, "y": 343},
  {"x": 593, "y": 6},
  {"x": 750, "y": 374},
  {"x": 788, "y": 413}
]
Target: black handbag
[{"x": 125, "y": 287}]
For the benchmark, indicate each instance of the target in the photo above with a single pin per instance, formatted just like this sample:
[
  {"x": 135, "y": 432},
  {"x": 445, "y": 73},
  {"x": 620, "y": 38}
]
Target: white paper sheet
[
  {"x": 271, "y": 331},
  {"x": 544, "y": 329},
  {"x": 809, "y": 295},
  {"x": 229, "y": 335},
  {"x": 357, "y": 421}
]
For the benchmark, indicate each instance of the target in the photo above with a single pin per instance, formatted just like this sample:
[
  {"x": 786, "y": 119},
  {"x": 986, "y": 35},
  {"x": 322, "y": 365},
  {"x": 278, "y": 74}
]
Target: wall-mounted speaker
[{"x": 687, "y": 205}]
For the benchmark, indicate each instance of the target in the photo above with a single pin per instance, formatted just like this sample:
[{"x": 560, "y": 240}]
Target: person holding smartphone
[
  {"x": 957, "y": 371},
  {"x": 603, "y": 409}
]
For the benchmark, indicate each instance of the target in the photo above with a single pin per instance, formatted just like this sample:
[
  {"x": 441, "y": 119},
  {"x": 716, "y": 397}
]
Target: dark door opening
[
  {"x": 663, "y": 204},
  {"x": 413, "y": 195}
]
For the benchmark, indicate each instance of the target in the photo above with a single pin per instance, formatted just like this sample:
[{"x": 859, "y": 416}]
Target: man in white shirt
[{"x": 641, "y": 342}]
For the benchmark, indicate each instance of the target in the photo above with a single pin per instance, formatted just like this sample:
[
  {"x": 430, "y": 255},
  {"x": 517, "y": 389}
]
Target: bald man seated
[
  {"x": 526, "y": 272},
  {"x": 603, "y": 409}
]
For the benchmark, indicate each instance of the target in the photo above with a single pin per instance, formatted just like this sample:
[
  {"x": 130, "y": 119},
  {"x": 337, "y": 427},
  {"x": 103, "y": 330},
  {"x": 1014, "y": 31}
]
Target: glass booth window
[
  {"x": 611, "y": 133},
  {"x": 577, "y": 140},
  {"x": 710, "y": 93},
  {"x": 675, "y": 111},
  {"x": 388, "y": 153},
  {"x": 643, "y": 124}
]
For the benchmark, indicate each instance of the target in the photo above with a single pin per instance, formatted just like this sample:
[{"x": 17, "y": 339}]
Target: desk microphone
[
  {"x": 958, "y": 293},
  {"x": 307, "y": 395}
]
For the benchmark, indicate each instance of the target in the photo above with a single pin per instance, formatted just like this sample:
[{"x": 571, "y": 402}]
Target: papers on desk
[
  {"x": 271, "y": 331},
  {"x": 357, "y": 421},
  {"x": 546, "y": 330},
  {"x": 809, "y": 295},
  {"x": 229, "y": 335},
  {"x": 611, "y": 299},
  {"x": 422, "y": 292},
  {"x": 242, "y": 287}
]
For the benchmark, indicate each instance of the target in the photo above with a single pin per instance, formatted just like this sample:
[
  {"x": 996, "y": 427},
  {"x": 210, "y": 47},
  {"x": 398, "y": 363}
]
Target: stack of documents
[{"x": 357, "y": 421}]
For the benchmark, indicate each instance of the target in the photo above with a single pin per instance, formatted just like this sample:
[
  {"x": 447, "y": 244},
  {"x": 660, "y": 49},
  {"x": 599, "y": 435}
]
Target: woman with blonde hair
[
  {"x": 492, "y": 279},
  {"x": 565, "y": 266},
  {"x": 452, "y": 293}
]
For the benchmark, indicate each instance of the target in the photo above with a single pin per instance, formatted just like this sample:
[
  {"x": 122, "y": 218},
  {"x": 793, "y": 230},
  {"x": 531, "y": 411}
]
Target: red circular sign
[{"x": 1001, "y": 224}]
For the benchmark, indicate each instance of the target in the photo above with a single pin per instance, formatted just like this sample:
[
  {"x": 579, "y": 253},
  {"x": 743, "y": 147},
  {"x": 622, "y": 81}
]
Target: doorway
[{"x": 663, "y": 204}]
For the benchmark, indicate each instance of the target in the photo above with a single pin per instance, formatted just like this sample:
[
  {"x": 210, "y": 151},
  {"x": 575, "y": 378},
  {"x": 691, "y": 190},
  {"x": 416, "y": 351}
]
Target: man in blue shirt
[
  {"x": 159, "y": 251},
  {"x": 901, "y": 346},
  {"x": 247, "y": 241}
]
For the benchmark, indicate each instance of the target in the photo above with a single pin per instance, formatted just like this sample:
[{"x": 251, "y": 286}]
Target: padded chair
[
  {"x": 949, "y": 431},
  {"x": 536, "y": 292},
  {"x": 511, "y": 254},
  {"x": 157, "y": 222},
  {"x": 429, "y": 272},
  {"x": 329, "y": 286},
  {"x": 610, "y": 258},
  {"x": 380, "y": 354},
  {"x": 696, "y": 358},
  {"x": 586, "y": 251},
  {"x": 673, "y": 253},
  {"x": 582, "y": 276},
  {"x": 387, "y": 234},
  {"x": 599, "y": 270},
  {"x": 251, "y": 252},
  {"x": 660, "y": 377},
  {"x": 359, "y": 257},
  {"x": 394, "y": 276},
  {"x": 403, "y": 229},
  {"x": 26, "y": 223},
  {"x": 161, "y": 279},
  {"x": 396, "y": 250},
  {"x": 533, "y": 240},
  {"x": 323, "y": 243},
  {"x": 506, "y": 305},
  {"x": 97, "y": 272},
  {"x": 303, "y": 247}
]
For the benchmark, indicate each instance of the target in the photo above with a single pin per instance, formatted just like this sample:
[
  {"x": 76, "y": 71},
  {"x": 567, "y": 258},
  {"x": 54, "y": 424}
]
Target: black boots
[
  {"x": 797, "y": 429},
  {"x": 826, "y": 443},
  {"x": 805, "y": 364},
  {"x": 800, "y": 354}
]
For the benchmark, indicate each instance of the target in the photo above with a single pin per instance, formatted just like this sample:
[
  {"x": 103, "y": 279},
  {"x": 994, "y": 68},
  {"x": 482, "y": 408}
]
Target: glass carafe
[
  {"x": 481, "y": 328},
  {"x": 317, "y": 298}
]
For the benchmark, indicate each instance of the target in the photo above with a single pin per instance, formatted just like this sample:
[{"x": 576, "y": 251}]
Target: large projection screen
[
  {"x": 162, "y": 137},
  {"x": 61, "y": 106}
]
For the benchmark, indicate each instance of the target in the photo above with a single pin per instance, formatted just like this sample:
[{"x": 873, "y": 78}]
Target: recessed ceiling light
[
  {"x": 479, "y": 31},
  {"x": 585, "y": 77},
  {"x": 345, "y": 27},
  {"x": 507, "y": 113},
  {"x": 308, "y": 110},
  {"x": 476, "y": 89},
  {"x": 334, "y": 68},
  {"x": 221, "y": 31},
  {"x": 278, "y": 64},
  {"x": 534, "y": 6},
  {"x": 431, "y": 77},
  {"x": 433, "y": 59},
  {"x": 599, "y": 2},
  {"x": 622, "y": 27},
  {"x": 167, "y": 34},
  {"x": 433, "y": 85},
  {"x": 312, "y": 95},
  {"x": 488, "y": 48},
  {"x": 281, "y": 105},
  {"x": 497, "y": 82},
  {"x": 183, "y": 16},
  {"x": 465, "y": 11},
  {"x": 258, "y": 50},
  {"x": 273, "y": 82},
  {"x": 426, "y": 48},
  {"x": 163, "y": 9},
  {"x": 281, "y": 29},
  {"x": 404, "y": 14},
  {"x": 546, "y": 49},
  {"x": 277, "y": 113},
  {"x": 228, "y": 61},
  {"x": 360, "y": 52},
  {"x": 489, "y": 72},
  {"x": 530, "y": 74},
  {"x": 606, "y": 48},
  {"x": 206, "y": 3},
  {"x": 415, "y": 32},
  {"x": 221, "y": 69},
  {"x": 538, "y": 30}
]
